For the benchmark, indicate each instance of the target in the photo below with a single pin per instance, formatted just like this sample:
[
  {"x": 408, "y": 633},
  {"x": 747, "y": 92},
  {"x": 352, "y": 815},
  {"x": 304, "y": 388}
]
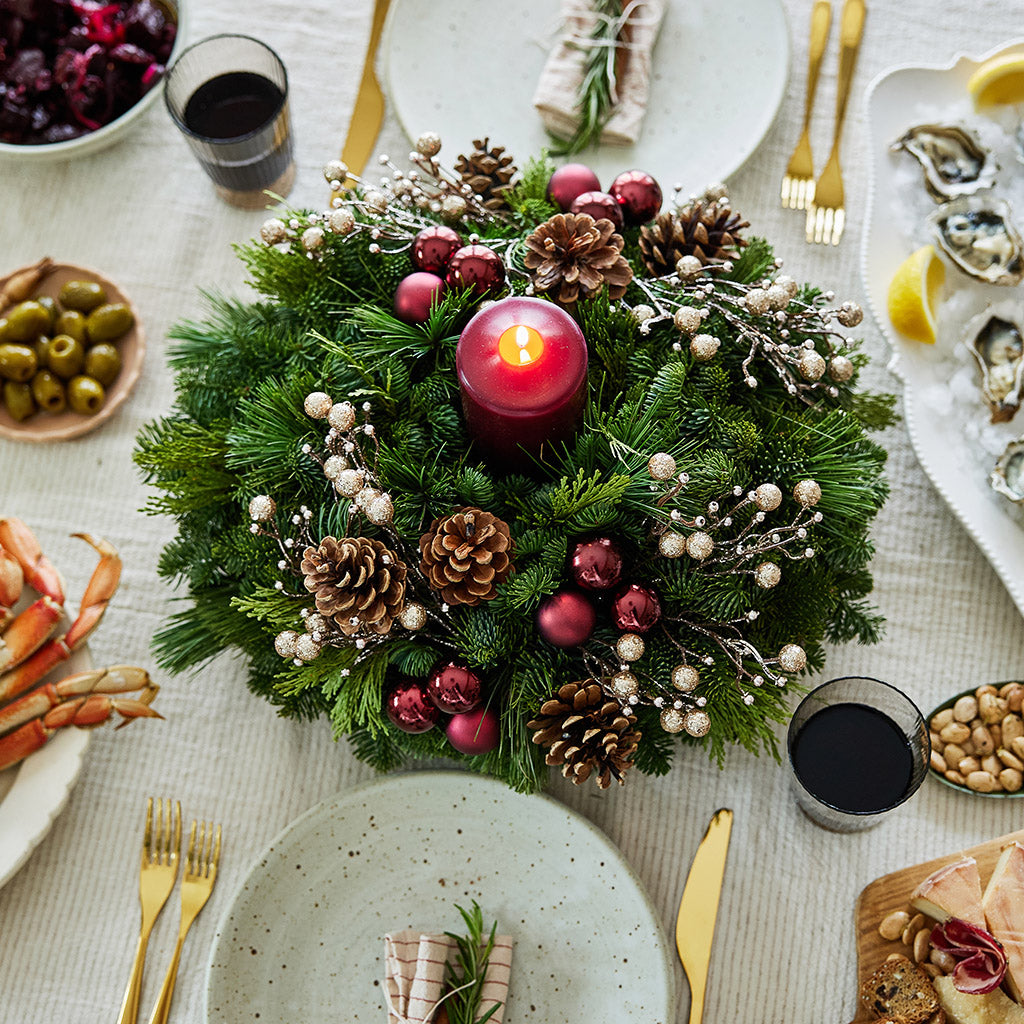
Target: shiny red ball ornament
[
  {"x": 433, "y": 248},
  {"x": 571, "y": 181},
  {"x": 566, "y": 619},
  {"x": 638, "y": 195},
  {"x": 635, "y": 609},
  {"x": 474, "y": 732},
  {"x": 476, "y": 267},
  {"x": 410, "y": 708},
  {"x": 454, "y": 689},
  {"x": 597, "y": 563},
  {"x": 600, "y": 206},
  {"x": 415, "y": 295}
]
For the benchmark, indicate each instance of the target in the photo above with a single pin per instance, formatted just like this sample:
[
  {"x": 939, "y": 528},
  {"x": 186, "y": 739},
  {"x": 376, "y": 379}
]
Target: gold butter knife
[
  {"x": 364, "y": 127},
  {"x": 698, "y": 909}
]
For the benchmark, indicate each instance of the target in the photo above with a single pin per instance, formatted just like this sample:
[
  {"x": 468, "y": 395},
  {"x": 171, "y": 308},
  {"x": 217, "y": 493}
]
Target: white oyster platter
[{"x": 946, "y": 416}]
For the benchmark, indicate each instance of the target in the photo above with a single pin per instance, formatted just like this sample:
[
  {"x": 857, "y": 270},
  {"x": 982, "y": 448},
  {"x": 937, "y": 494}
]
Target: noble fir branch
[{"x": 528, "y": 197}]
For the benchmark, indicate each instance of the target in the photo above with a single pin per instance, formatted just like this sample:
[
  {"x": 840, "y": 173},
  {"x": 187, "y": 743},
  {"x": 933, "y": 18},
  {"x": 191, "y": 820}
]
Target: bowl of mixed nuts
[{"x": 978, "y": 740}]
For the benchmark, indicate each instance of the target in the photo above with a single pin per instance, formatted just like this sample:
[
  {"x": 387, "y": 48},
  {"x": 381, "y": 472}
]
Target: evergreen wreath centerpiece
[{"x": 504, "y": 468}]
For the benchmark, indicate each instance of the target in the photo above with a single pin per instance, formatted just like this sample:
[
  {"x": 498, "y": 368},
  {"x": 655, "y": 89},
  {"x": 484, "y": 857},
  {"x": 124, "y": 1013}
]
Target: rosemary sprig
[
  {"x": 596, "y": 94},
  {"x": 465, "y": 979}
]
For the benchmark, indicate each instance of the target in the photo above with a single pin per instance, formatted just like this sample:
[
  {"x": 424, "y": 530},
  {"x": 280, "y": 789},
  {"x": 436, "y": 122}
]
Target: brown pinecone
[
  {"x": 488, "y": 171},
  {"x": 466, "y": 555},
  {"x": 571, "y": 255},
  {"x": 586, "y": 732},
  {"x": 357, "y": 581},
  {"x": 707, "y": 230}
]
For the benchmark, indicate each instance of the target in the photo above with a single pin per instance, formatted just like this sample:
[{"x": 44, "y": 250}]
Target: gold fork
[
  {"x": 196, "y": 886},
  {"x": 826, "y": 215},
  {"x": 798, "y": 181},
  {"x": 160, "y": 846}
]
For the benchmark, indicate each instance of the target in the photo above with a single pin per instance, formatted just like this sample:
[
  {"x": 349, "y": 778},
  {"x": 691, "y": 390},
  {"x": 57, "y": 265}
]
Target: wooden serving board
[{"x": 892, "y": 892}]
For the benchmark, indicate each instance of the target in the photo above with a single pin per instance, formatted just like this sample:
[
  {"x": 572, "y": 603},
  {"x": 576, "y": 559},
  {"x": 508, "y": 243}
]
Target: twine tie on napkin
[
  {"x": 559, "y": 83},
  {"x": 414, "y": 966}
]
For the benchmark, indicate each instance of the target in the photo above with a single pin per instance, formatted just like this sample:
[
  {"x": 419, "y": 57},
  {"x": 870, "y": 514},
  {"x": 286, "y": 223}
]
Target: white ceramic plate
[
  {"x": 304, "y": 937},
  {"x": 938, "y": 439},
  {"x": 34, "y": 792},
  {"x": 468, "y": 69}
]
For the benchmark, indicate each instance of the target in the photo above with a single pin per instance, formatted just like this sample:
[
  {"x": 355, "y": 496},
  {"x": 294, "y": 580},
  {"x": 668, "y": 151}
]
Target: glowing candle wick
[{"x": 520, "y": 345}]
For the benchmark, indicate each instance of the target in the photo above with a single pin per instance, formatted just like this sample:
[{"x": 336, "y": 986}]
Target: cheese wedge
[
  {"x": 991, "y": 1008},
  {"x": 1004, "y": 911},
  {"x": 952, "y": 891}
]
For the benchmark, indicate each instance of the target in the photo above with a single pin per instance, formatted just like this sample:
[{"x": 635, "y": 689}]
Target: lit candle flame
[{"x": 520, "y": 345}]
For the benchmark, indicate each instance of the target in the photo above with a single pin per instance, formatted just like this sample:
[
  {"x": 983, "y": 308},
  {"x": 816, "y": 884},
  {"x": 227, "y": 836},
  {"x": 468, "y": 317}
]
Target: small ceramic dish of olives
[{"x": 71, "y": 350}]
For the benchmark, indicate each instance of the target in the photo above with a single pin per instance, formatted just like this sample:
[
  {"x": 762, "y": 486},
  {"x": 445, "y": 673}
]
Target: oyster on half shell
[
  {"x": 976, "y": 233},
  {"x": 1008, "y": 475},
  {"x": 996, "y": 340},
  {"x": 954, "y": 162}
]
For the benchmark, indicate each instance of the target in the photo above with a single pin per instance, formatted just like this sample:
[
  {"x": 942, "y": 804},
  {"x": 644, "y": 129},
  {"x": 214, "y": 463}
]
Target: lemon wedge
[
  {"x": 999, "y": 80},
  {"x": 913, "y": 294}
]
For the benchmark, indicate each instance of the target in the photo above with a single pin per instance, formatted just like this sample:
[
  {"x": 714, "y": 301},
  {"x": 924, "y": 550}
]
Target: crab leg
[
  {"x": 39, "y": 572},
  {"x": 97, "y": 595},
  {"x": 12, "y": 579},
  {"x": 116, "y": 679},
  {"x": 82, "y": 711},
  {"x": 29, "y": 631}
]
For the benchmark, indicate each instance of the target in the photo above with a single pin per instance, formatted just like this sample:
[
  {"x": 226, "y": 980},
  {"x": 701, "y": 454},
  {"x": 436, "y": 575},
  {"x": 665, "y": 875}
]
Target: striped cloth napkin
[
  {"x": 414, "y": 976},
  {"x": 555, "y": 97}
]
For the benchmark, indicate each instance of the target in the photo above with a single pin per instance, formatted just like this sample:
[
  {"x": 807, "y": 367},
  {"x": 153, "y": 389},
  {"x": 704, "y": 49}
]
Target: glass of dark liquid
[
  {"x": 858, "y": 748},
  {"x": 229, "y": 97}
]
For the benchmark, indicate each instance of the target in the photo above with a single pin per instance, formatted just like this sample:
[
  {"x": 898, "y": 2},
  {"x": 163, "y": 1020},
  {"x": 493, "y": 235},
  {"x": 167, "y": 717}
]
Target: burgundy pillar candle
[{"x": 522, "y": 366}]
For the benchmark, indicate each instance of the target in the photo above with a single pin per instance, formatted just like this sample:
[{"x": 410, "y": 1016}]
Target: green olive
[
  {"x": 86, "y": 395},
  {"x": 18, "y": 400},
  {"x": 66, "y": 356},
  {"x": 83, "y": 295},
  {"x": 50, "y": 305},
  {"x": 5, "y": 330},
  {"x": 41, "y": 347},
  {"x": 26, "y": 320},
  {"x": 103, "y": 363},
  {"x": 17, "y": 362},
  {"x": 48, "y": 391},
  {"x": 72, "y": 323},
  {"x": 108, "y": 322}
]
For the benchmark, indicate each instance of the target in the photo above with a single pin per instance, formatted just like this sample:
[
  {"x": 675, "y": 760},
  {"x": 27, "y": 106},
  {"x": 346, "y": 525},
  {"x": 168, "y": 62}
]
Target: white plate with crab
[
  {"x": 951, "y": 437},
  {"x": 34, "y": 790}
]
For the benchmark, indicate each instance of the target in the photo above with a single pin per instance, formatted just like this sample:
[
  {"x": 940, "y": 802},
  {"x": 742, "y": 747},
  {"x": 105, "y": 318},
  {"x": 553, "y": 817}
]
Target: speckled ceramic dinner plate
[{"x": 303, "y": 939}]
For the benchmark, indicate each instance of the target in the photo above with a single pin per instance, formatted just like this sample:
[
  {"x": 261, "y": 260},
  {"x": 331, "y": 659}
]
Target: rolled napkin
[
  {"x": 414, "y": 965},
  {"x": 559, "y": 83}
]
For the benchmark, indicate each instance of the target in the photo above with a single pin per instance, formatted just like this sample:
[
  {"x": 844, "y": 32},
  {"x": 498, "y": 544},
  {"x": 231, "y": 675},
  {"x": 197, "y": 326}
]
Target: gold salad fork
[
  {"x": 798, "y": 181},
  {"x": 826, "y": 215},
  {"x": 196, "y": 885},
  {"x": 161, "y": 842}
]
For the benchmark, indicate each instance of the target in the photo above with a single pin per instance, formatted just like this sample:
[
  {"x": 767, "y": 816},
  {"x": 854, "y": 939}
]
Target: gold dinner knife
[
  {"x": 368, "y": 114},
  {"x": 698, "y": 909}
]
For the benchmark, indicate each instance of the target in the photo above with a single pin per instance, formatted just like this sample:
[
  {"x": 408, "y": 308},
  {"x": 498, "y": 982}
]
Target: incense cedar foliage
[{"x": 237, "y": 429}]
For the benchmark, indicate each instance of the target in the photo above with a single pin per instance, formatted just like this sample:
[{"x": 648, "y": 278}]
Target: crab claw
[
  {"x": 12, "y": 579},
  {"x": 40, "y": 573}
]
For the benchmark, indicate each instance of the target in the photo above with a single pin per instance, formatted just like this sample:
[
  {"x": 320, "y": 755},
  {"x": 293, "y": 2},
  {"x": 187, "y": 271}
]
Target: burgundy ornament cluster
[{"x": 633, "y": 198}]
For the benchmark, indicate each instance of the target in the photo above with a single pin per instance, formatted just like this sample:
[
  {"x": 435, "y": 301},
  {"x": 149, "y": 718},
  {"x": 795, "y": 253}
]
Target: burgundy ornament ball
[
  {"x": 454, "y": 689},
  {"x": 597, "y": 563},
  {"x": 598, "y": 205},
  {"x": 474, "y": 732},
  {"x": 571, "y": 181},
  {"x": 476, "y": 267},
  {"x": 638, "y": 195},
  {"x": 415, "y": 294},
  {"x": 566, "y": 619},
  {"x": 433, "y": 248},
  {"x": 635, "y": 609},
  {"x": 410, "y": 708}
]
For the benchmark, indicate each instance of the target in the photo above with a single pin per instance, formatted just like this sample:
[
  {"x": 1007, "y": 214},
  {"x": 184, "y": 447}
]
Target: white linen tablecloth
[{"x": 143, "y": 213}]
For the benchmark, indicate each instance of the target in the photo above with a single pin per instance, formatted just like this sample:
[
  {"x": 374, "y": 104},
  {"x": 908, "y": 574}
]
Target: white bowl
[{"x": 110, "y": 133}]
